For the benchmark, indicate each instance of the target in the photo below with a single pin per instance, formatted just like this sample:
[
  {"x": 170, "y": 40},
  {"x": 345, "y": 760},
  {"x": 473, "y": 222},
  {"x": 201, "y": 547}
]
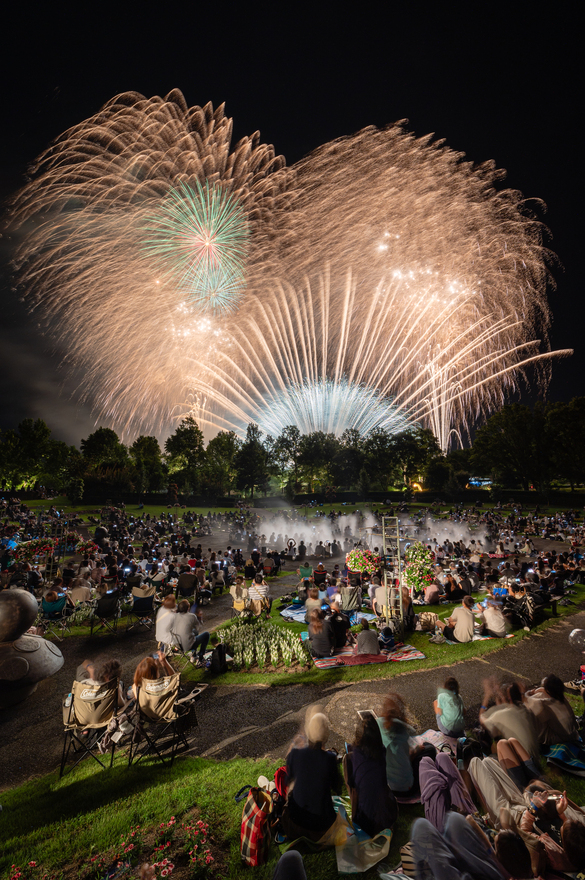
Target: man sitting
[
  {"x": 460, "y": 626},
  {"x": 367, "y": 640},
  {"x": 185, "y": 631}
]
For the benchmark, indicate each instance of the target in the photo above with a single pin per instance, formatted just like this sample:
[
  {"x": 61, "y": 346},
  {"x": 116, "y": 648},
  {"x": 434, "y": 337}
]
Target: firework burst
[
  {"x": 103, "y": 249},
  {"x": 143, "y": 221},
  {"x": 199, "y": 238}
]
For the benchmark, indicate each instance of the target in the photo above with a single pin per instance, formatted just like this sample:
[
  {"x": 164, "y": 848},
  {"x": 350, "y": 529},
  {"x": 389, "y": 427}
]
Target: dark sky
[{"x": 498, "y": 82}]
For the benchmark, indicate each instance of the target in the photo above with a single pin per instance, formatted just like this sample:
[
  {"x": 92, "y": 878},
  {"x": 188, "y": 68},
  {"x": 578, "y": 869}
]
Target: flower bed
[
  {"x": 263, "y": 645},
  {"x": 182, "y": 849}
]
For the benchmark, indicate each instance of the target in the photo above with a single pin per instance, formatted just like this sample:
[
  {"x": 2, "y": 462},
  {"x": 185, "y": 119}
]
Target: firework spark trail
[
  {"x": 409, "y": 274},
  {"x": 275, "y": 376}
]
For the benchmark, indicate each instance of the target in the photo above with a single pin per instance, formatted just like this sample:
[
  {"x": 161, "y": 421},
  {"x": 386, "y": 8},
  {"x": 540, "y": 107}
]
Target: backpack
[
  {"x": 427, "y": 620},
  {"x": 218, "y": 662}
]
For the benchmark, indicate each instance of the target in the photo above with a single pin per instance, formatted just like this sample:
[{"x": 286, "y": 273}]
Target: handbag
[{"x": 255, "y": 830}]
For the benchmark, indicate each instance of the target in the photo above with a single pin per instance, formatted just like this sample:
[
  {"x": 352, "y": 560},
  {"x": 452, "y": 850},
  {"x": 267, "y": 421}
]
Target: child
[{"x": 449, "y": 709}]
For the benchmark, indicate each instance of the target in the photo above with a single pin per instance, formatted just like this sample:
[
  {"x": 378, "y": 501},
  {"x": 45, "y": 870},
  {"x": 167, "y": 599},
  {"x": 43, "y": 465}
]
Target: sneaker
[{"x": 575, "y": 685}]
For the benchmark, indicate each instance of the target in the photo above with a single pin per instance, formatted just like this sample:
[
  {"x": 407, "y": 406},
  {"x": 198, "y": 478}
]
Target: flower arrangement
[
  {"x": 86, "y": 548},
  {"x": 29, "y": 550},
  {"x": 362, "y": 561},
  {"x": 419, "y": 566}
]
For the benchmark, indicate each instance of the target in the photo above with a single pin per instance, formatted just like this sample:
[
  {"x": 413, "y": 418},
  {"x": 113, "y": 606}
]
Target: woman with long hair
[
  {"x": 373, "y": 805},
  {"x": 321, "y": 637}
]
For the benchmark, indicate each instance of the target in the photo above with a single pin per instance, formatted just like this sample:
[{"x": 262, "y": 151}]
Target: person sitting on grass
[
  {"x": 340, "y": 625},
  {"x": 460, "y": 626},
  {"x": 554, "y": 717},
  {"x": 367, "y": 640},
  {"x": 313, "y": 777},
  {"x": 164, "y": 621},
  {"x": 449, "y": 709},
  {"x": 492, "y": 619},
  {"x": 185, "y": 631},
  {"x": 402, "y": 761},
  {"x": 321, "y": 637},
  {"x": 373, "y": 806},
  {"x": 312, "y": 601}
]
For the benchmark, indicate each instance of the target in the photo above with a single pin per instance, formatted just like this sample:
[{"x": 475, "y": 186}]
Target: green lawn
[{"x": 59, "y": 823}]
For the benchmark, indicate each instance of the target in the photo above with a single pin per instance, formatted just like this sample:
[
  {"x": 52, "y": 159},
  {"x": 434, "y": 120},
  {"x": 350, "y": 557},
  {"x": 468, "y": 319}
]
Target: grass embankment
[{"x": 62, "y": 823}]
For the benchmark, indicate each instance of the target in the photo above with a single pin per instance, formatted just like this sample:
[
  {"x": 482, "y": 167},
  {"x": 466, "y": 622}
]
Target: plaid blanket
[
  {"x": 297, "y": 613},
  {"x": 346, "y": 657}
]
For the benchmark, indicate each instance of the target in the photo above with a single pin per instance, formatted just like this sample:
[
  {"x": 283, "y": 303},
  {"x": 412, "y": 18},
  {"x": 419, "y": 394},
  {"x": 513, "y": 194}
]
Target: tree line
[{"x": 517, "y": 447}]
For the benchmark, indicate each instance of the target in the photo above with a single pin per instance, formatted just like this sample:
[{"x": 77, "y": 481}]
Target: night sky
[{"x": 498, "y": 82}]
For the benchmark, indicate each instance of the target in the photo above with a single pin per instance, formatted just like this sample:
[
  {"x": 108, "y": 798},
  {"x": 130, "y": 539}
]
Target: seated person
[
  {"x": 373, "y": 806},
  {"x": 305, "y": 571},
  {"x": 216, "y": 579},
  {"x": 554, "y": 717},
  {"x": 187, "y": 583},
  {"x": 460, "y": 626},
  {"x": 165, "y": 620},
  {"x": 303, "y": 589},
  {"x": 239, "y": 593},
  {"x": 493, "y": 621},
  {"x": 185, "y": 630},
  {"x": 367, "y": 640},
  {"x": 312, "y": 778},
  {"x": 249, "y": 569},
  {"x": 321, "y": 638},
  {"x": 340, "y": 625},
  {"x": 402, "y": 761},
  {"x": 408, "y": 610},
  {"x": 151, "y": 669},
  {"x": 259, "y": 596},
  {"x": 107, "y": 671},
  {"x": 313, "y": 601},
  {"x": 80, "y": 590},
  {"x": 453, "y": 593},
  {"x": 432, "y": 593},
  {"x": 449, "y": 709},
  {"x": 320, "y": 575}
]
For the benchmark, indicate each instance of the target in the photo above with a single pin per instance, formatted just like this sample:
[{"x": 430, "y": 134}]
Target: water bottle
[{"x": 68, "y": 700}]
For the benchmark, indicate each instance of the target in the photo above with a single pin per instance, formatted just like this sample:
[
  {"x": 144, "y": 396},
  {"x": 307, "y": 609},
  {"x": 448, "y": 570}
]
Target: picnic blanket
[
  {"x": 478, "y": 638},
  {"x": 569, "y": 757},
  {"x": 297, "y": 613},
  {"x": 346, "y": 657}
]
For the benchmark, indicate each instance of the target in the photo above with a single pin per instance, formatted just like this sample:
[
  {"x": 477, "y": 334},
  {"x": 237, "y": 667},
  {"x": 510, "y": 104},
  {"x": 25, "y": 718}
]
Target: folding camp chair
[
  {"x": 54, "y": 617},
  {"x": 162, "y": 718},
  {"x": 91, "y": 708},
  {"x": 142, "y": 611},
  {"x": 106, "y": 612}
]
